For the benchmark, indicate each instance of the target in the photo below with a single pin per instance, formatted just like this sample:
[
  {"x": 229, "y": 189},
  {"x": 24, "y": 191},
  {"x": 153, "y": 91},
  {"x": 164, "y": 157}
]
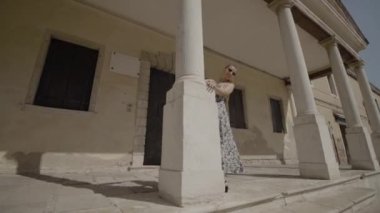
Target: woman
[{"x": 231, "y": 163}]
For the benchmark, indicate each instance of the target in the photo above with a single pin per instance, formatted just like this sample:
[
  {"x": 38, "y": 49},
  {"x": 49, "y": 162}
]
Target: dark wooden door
[{"x": 160, "y": 83}]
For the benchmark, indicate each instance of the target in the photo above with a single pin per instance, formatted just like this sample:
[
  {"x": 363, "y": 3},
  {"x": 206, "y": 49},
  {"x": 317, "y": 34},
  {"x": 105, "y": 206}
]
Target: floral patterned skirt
[{"x": 231, "y": 163}]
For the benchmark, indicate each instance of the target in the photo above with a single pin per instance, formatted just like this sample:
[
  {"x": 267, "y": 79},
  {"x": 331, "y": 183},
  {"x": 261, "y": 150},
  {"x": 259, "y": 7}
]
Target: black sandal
[{"x": 225, "y": 188}]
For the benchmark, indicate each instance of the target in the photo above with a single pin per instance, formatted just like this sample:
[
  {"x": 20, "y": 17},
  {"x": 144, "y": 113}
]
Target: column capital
[
  {"x": 328, "y": 42},
  {"x": 277, "y": 4},
  {"x": 357, "y": 64}
]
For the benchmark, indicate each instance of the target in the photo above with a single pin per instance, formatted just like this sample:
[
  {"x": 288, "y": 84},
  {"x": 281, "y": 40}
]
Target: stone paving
[{"x": 134, "y": 191}]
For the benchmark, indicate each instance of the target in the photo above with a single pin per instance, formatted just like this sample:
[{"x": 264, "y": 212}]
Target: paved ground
[
  {"x": 372, "y": 208},
  {"x": 134, "y": 191}
]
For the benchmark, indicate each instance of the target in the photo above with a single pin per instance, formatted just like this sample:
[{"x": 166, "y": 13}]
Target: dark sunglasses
[{"x": 231, "y": 71}]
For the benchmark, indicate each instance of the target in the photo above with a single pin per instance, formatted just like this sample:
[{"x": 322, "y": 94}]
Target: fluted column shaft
[
  {"x": 189, "y": 48},
  {"x": 299, "y": 77}
]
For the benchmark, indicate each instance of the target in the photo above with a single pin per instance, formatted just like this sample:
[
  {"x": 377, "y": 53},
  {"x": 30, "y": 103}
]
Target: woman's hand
[
  {"x": 211, "y": 83},
  {"x": 222, "y": 89}
]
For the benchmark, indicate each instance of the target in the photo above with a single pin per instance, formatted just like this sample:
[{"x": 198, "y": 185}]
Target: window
[
  {"x": 330, "y": 79},
  {"x": 277, "y": 115},
  {"x": 236, "y": 109},
  {"x": 67, "y": 77}
]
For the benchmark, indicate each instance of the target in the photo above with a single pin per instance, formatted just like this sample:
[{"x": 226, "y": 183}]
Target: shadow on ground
[
  {"x": 114, "y": 189},
  {"x": 28, "y": 165}
]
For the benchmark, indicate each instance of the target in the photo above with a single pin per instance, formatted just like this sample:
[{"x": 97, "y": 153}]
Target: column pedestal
[
  {"x": 361, "y": 149},
  {"x": 191, "y": 170},
  {"x": 315, "y": 151}
]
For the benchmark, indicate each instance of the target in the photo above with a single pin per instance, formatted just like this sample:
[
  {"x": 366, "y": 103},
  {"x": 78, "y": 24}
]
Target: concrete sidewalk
[{"x": 134, "y": 191}]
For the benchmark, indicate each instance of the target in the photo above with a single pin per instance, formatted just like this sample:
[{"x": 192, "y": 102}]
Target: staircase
[
  {"x": 351, "y": 199},
  {"x": 349, "y": 194}
]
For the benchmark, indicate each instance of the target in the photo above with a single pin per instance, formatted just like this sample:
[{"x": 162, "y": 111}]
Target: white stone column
[
  {"x": 191, "y": 170},
  {"x": 369, "y": 103},
  {"x": 314, "y": 147},
  {"x": 358, "y": 139}
]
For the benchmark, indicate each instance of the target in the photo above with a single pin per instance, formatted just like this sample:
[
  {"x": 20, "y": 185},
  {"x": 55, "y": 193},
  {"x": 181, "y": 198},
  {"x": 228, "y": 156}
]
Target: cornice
[
  {"x": 349, "y": 24},
  {"x": 327, "y": 28}
]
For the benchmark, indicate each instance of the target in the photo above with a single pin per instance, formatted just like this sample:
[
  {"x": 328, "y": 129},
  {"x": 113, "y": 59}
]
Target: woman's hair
[{"x": 229, "y": 65}]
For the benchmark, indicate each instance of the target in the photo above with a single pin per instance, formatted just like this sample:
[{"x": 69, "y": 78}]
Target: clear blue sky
[{"x": 367, "y": 15}]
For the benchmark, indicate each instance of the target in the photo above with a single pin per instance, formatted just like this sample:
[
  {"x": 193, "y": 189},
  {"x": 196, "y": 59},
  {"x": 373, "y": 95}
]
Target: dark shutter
[
  {"x": 236, "y": 109},
  {"x": 277, "y": 115},
  {"x": 67, "y": 77}
]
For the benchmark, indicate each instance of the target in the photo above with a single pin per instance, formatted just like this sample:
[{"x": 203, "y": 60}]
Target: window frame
[{"x": 40, "y": 62}]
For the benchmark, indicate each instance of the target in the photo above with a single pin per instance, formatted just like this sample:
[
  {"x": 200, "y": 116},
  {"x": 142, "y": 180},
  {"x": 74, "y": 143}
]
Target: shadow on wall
[
  {"x": 26, "y": 162},
  {"x": 252, "y": 142}
]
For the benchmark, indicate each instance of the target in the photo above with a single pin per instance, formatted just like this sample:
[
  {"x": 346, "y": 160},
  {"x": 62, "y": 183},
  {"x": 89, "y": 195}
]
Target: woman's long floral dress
[{"x": 231, "y": 163}]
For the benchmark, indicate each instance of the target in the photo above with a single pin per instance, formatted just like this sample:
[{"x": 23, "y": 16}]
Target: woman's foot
[{"x": 225, "y": 188}]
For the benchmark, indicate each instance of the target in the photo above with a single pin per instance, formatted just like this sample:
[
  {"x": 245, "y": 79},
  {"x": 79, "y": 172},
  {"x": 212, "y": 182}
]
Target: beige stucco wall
[
  {"x": 322, "y": 93},
  {"x": 360, "y": 102},
  {"x": 33, "y": 137},
  {"x": 67, "y": 139}
]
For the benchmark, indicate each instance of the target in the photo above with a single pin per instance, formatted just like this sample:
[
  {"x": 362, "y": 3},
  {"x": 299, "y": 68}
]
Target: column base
[
  {"x": 191, "y": 187},
  {"x": 376, "y": 144},
  {"x": 314, "y": 147},
  {"x": 290, "y": 149},
  {"x": 137, "y": 159},
  {"x": 291, "y": 162},
  {"x": 191, "y": 167},
  {"x": 345, "y": 166},
  {"x": 361, "y": 149}
]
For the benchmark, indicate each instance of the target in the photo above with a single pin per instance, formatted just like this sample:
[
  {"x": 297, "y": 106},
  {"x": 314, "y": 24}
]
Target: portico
[
  {"x": 289, "y": 54},
  {"x": 314, "y": 145}
]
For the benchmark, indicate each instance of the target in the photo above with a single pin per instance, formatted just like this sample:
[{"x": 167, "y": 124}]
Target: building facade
[{"x": 84, "y": 85}]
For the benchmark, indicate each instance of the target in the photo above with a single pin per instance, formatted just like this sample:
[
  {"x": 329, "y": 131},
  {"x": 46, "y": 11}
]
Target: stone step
[
  {"x": 355, "y": 197},
  {"x": 143, "y": 168},
  {"x": 260, "y": 160},
  {"x": 342, "y": 201}
]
